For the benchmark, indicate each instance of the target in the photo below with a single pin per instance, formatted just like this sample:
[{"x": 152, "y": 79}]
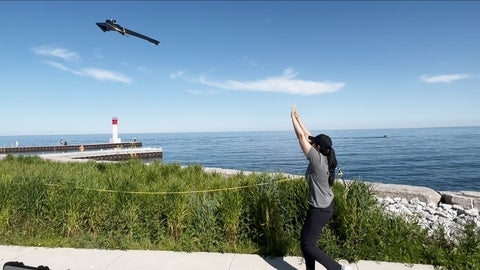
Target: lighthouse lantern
[{"x": 115, "y": 138}]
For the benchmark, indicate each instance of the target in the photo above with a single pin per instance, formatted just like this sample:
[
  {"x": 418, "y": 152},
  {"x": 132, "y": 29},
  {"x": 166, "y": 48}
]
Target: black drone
[{"x": 111, "y": 25}]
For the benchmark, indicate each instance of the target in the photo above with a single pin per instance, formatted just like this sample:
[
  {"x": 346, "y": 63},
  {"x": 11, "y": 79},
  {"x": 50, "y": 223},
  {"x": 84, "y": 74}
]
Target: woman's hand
[{"x": 294, "y": 111}]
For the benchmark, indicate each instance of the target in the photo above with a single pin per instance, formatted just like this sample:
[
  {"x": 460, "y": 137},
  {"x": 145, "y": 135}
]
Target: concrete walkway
[{"x": 79, "y": 259}]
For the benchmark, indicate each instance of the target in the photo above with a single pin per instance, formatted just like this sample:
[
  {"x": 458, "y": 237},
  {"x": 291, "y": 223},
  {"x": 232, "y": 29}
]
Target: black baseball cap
[{"x": 322, "y": 140}]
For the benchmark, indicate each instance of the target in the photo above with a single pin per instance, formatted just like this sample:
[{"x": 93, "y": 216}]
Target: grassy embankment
[{"x": 164, "y": 206}]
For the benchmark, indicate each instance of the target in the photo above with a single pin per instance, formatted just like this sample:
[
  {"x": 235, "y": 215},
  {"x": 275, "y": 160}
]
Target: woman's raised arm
[{"x": 301, "y": 131}]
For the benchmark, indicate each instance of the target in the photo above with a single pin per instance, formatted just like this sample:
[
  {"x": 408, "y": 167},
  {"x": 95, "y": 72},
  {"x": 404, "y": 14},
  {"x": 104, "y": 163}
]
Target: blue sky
[{"x": 238, "y": 66}]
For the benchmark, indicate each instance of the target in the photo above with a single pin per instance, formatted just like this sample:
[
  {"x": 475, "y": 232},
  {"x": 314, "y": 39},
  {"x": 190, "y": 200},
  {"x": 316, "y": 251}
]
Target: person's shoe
[{"x": 346, "y": 267}]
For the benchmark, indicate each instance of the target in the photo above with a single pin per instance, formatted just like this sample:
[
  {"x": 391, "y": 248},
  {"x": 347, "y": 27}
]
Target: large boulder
[
  {"x": 467, "y": 199},
  {"x": 424, "y": 194}
]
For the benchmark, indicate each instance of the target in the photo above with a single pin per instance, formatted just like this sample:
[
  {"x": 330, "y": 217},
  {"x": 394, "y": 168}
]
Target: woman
[{"x": 320, "y": 176}]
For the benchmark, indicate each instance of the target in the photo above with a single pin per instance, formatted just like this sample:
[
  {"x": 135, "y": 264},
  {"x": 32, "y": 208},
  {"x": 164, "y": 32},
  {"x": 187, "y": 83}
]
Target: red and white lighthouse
[{"x": 115, "y": 138}]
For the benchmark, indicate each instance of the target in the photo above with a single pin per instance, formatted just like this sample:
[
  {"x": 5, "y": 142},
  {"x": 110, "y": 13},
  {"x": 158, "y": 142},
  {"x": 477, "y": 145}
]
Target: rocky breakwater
[{"x": 432, "y": 209}]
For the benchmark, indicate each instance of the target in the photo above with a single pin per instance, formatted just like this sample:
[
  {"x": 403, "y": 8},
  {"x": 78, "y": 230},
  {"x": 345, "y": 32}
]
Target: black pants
[{"x": 315, "y": 221}]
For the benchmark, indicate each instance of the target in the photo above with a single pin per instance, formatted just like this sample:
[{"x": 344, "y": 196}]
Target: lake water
[{"x": 444, "y": 159}]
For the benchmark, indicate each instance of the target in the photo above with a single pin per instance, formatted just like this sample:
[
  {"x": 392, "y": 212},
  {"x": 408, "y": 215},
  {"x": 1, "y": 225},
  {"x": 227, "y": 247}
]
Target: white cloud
[
  {"x": 444, "y": 78},
  {"x": 62, "y": 53},
  {"x": 142, "y": 69},
  {"x": 63, "y": 67},
  {"x": 98, "y": 74},
  {"x": 249, "y": 61},
  {"x": 206, "y": 92},
  {"x": 176, "y": 74},
  {"x": 194, "y": 92},
  {"x": 281, "y": 84},
  {"x": 67, "y": 55},
  {"x": 106, "y": 75}
]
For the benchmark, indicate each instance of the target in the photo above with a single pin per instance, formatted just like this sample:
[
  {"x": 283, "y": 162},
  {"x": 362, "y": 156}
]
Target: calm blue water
[{"x": 439, "y": 158}]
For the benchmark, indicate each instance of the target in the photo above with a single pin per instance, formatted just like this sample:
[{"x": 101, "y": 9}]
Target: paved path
[{"x": 79, "y": 259}]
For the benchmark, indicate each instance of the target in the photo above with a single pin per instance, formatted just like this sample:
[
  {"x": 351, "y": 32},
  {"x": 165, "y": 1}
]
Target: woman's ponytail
[
  {"x": 332, "y": 165},
  {"x": 324, "y": 146}
]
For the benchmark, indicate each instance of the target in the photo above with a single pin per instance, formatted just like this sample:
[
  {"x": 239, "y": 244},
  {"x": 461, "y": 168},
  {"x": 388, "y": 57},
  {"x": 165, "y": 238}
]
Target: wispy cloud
[
  {"x": 194, "y": 92},
  {"x": 444, "y": 78},
  {"x": 63, "y": 67},
  {"x": 287, "y": 83},
  {"x": 62, "y": 53},
  {"x": 105, "y": 75},
  {"x": 200, "y": 92},
  {"x": 249, "y": 61},
  {"x": 96, "y": 73},
  {"x": 176, "y": 74},
  {"x": 68, "y": 56}
]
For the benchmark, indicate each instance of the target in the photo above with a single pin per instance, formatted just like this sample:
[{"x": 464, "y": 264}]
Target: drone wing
[{"x": 133, "y": 33}]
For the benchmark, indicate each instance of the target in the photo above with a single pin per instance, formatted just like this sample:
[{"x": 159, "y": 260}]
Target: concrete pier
[
  {"x": 67, "y": 148},
  {"x": 84, "y": 152},
  {"x": 106, "y": 155}
]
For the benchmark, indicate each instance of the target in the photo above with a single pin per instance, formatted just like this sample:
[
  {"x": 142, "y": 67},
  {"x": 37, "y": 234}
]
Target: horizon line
[{"x": 239, "y": 131}]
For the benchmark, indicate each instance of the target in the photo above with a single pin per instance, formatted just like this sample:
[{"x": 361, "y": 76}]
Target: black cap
[{"x": 323, "y": 140}]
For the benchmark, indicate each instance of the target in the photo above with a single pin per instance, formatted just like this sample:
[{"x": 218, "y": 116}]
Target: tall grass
[
  {"x": 364, "y": 232},
  {"x": 132, "y": 205}
]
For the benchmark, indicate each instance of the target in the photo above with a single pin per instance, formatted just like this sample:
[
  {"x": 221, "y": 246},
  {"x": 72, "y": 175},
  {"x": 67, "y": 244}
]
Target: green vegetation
[{"x": 132, "y": 205}]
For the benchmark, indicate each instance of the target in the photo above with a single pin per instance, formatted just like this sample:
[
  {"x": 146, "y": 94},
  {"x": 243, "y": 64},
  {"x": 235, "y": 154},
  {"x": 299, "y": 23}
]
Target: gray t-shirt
[{"x": 321, "y": 194}]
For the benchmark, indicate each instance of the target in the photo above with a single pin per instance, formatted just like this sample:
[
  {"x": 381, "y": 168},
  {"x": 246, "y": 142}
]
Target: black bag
[{"x": 21, "y": 266}]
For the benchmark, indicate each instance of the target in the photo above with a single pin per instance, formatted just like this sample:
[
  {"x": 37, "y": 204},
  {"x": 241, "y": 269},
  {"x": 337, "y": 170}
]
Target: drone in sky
[{"x": 111, "y": 25}]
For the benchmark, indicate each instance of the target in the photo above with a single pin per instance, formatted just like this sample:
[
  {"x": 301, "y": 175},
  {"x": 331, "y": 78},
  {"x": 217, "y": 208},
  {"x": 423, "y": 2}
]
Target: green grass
[{"x": 131, "y": 205}]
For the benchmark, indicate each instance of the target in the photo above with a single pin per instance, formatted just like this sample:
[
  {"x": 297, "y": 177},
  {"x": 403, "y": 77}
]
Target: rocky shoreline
[
  {"x": 452, "y": 217},
  {"x": 432, "y": 209}
]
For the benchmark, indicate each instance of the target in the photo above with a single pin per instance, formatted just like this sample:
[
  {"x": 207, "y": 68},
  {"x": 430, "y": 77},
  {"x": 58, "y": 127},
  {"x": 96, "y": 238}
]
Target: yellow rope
[{"x": 173, "y": 192}]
